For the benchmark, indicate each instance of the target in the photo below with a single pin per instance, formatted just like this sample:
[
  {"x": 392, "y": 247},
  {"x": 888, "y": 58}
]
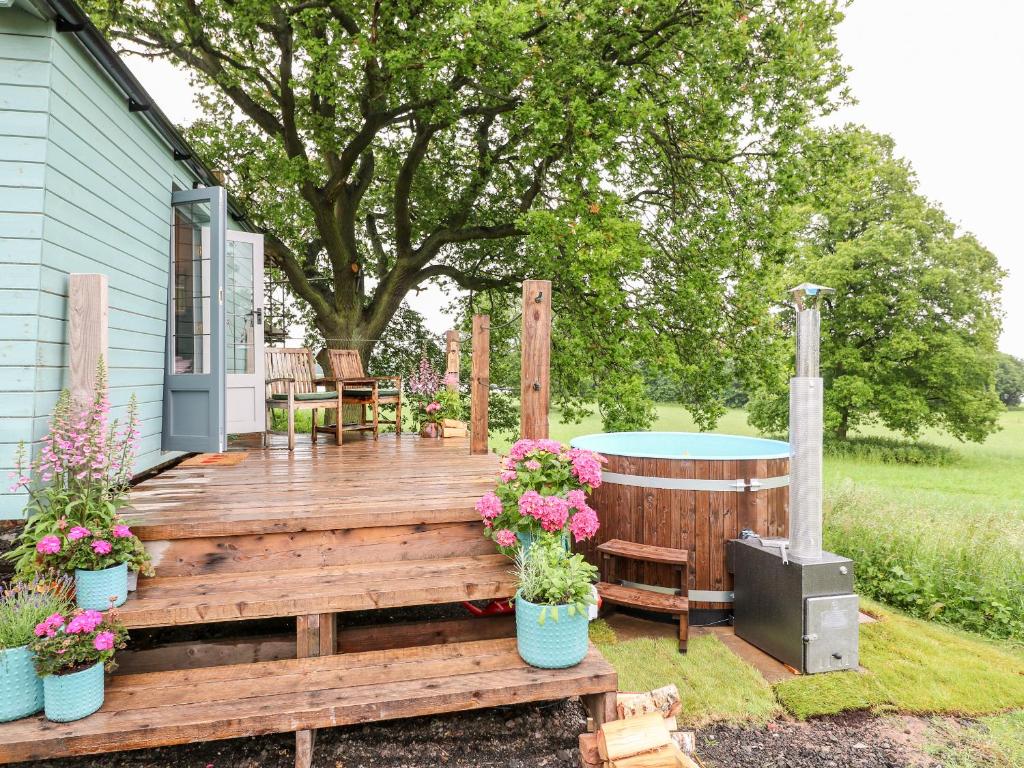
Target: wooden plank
[
  {"x": 200, "y": 654},
  {"x": 303, "y": 694},
  {"x": 88, "y": 330},
  {"x": 645, "y": 599},
  {"x": 535, "y": 364},
  {"x": 452, "y": 356},
  {"x": 645, "y": 552},
  {"x": 480, "y": 385},
  {"x": 420, "y": 633}
]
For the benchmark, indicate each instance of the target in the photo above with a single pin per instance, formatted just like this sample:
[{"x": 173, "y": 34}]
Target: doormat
[{"x": 232, "y": 459}]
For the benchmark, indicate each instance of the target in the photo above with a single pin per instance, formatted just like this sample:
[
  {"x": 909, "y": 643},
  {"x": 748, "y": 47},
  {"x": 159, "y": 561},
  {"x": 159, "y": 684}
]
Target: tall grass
[{"x": 968, "y": 572}]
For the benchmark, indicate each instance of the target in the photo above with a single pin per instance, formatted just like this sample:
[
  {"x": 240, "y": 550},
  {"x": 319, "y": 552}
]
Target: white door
[{"x": 243, "y": 318}]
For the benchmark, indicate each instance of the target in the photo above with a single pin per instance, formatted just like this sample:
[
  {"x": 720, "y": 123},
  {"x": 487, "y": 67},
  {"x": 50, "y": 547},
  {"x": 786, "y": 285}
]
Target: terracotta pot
[{"x": 431, "y": 430}]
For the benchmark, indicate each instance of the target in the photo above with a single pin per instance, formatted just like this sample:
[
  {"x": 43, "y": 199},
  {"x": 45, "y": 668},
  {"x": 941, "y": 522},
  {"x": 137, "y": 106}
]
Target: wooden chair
[
  {"x": 292, "y": 384},
  {"x": 356, "y": 388}
]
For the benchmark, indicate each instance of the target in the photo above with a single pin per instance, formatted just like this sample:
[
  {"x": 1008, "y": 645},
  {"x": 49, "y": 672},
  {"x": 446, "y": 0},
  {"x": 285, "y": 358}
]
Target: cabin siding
[{"x": 85, "y": 186}]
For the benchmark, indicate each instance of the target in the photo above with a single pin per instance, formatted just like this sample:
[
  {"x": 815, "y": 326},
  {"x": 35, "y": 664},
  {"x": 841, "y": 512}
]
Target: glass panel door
[
  {"x": 243, "y": 311},
  {"x": 194, "y": 377}
]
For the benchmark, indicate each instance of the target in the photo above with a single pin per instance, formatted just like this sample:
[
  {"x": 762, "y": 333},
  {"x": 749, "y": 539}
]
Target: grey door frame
[{"x": 182, "y": 429}]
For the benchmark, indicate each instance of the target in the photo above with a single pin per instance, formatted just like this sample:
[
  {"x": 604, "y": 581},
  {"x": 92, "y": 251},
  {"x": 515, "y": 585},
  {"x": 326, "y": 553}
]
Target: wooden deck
[{"x": 312, "y": 534}]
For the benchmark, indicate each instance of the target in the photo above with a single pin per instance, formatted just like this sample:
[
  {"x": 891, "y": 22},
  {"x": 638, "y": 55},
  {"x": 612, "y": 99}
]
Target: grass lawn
[{"x": 912, "y": 666}]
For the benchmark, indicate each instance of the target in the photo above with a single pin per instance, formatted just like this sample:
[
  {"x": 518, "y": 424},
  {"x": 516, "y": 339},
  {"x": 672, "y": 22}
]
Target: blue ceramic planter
[
  {"x": 21, "y": 689},
  {"x": 526, "y": 540},
  {"x": 74, "y": 696},
  {"x": 94, "y": 589},
  {"x": 553, "y": 644}
]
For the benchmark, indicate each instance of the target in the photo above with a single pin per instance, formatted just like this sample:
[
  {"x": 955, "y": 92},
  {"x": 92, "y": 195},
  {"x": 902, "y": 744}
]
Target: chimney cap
[{"x": 807, "y": 294}]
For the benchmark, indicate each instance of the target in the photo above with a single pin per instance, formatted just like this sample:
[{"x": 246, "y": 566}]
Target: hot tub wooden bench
[{"x": 313, "y": 534}]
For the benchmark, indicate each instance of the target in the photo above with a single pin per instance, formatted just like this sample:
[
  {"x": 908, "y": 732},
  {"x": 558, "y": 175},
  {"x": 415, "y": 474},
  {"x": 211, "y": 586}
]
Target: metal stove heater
[{"x": 792, "y": 600}]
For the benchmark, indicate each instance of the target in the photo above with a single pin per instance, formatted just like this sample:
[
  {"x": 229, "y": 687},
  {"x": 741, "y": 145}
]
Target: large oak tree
[{"x": 635, "y": 153}]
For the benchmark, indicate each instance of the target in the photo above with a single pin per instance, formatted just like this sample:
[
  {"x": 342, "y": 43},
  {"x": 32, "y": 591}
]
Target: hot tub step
[
  {"x": 646, "y": 552},
  {"x": 644, "y": 599}
]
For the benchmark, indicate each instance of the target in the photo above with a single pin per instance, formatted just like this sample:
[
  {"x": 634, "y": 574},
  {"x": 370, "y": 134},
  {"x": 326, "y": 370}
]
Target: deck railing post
[
  {"x": 87, "y": 332},
  {"x": 535, "y": 368},
  {"x": 451, "y": 356},
  {"x": 480, "y": 385}
]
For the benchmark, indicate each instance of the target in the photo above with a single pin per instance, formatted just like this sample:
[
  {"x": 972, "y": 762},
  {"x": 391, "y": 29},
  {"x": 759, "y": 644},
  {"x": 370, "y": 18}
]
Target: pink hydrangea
[
  {"x": 505, "y": 538},
  {"x": 121, "y": 531},
  {"x": 433, "y": 407},
  {"x": 533, "y": 465},
  {"x": 584, "y": 524},
  {"x": 85, "y": 622},
  {"x": 102, "y": 547},
  {"x": 548, "y": 446},
  {"x": 531, "y": 504},
  {"x": 48, "y": 545},
  {"x": 507, "y": 475},
  {"x": 554, "y": 514},
  {"x": 78, "y": 532},
  {"x": 577, "y": 499},
  {"x": 104, "y": 641},
  {"x": 489, "y": 506},
  {"x": 520, "y": 448},
  {"x": 586, "y": 466}
]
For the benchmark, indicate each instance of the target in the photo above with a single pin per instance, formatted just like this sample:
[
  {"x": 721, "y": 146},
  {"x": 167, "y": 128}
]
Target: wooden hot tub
[{"x": 689, "y": 491}]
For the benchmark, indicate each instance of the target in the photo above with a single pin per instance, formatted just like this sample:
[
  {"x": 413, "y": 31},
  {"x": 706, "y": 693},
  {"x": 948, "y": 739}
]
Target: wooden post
[
  {"x": 87, "y": 332},
  {"x": 534, "y": 388},
  {"x": 451, "y": 355},
  {"x": 315, "y": 635},
  {"x": 480, "y": 385}
]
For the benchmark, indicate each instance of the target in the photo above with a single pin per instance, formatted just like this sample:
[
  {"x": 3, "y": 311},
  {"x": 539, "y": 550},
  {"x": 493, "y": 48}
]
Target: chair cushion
[
  {"x": 367, "y": 392},
  {"x": 306, "y": 396}
]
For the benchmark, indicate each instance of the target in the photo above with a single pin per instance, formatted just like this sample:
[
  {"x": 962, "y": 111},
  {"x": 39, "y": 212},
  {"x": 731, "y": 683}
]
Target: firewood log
[
  {"x": 668, "y": 756},
  {"x": 625, "y": 738},
  {"x": 665, "y": 700},
  {"x": 685, "y": 740},
  {"x": 589, "y": 756}
]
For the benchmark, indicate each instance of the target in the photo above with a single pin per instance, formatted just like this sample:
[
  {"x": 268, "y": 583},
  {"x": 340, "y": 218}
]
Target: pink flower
[
  {"x": 433, "y": 407},
  {"x": 78, "y": 532},
  {"x": 533, "y": 465},
  {"x": 554, "y": 513},
  {"x": 104, "y": 641},
  {"x": 507, "y": 476},
  {"x": 101, "y": 547},
  {"x": 549, "y": 446},
  {"x": 584, "y": 524},
  {"x": 121, "y": 531},
  {"x": 531, "y": 504},
  {"x": 49, "y": 625},
  {"x": 505, "y": 538},
  {"x": 586, "y": 466},
  {"x": 451, "y": 379},
  {"x": 520, "y": 448},
  {"x": 577, "y": 499},
  {"x": 86, "y": 622},
  {"x": 48, "y": 545},
  {"x": 489, "y": 506}
]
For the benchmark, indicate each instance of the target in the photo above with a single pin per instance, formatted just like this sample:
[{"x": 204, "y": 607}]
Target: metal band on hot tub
[{"x": 693, "y": 484}]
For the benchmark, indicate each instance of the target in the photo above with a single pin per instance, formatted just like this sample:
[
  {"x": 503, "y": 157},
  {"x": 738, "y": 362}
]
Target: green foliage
[
  {"x": 96, "y": 548},
  {"x": 548, "y": 575},
  {"x": 638, "y": 156},
  {"x": 25, "y": 604},
  {"x": 909, "y": 339},
  {"x": 914, "y": 667},
  {"x": 889, "y": 450},
  {"x": 1010, "y": 379}
]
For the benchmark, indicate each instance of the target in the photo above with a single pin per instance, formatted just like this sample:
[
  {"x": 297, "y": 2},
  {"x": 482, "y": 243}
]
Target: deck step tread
[
  {"x": 645, "y": 599},
  {"x": 646, "y": 552},
  {"x": 164, "y": 708},
  {"x": 214, "y": 597}
]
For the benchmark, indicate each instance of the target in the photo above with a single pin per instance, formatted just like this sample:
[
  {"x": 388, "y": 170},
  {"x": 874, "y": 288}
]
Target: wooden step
[
  {"x": 384, "y": 542},
  {"x": 644, "y": 599},
  {"x": 163, "y": 708},
  {"x": 169, "y": 601},
  {"x": 646, "y": 552}
]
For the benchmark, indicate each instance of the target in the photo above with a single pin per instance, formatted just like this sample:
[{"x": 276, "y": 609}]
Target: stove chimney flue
[{"x": 806, "y": 426}]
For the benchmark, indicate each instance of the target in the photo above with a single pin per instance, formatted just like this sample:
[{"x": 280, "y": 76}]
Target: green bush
[
  {"x": 971, "y": 578},
  {"x": 887, "y": 450}
]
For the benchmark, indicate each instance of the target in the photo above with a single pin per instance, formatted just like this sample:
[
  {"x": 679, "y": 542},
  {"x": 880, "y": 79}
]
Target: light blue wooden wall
[{"x": 85, "y": 186}]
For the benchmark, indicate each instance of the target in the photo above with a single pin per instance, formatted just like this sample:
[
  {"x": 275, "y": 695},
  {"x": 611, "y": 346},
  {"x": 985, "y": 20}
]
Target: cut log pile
[
  {"x": 644, "y": 736},
  {"x": 454, "y": 428}
]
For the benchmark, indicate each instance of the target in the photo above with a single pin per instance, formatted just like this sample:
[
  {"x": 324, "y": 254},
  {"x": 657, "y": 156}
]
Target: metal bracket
[{"x": 710, "y": 596}]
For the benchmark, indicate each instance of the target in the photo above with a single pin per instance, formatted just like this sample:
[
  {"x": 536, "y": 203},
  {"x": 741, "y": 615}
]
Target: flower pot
[
  {"x": 526, "y": 540},
  {"x": 74, "y": 696},
  {"x": 553, "y": 644},
  {"x": 431, "y": 430},
  {"x": 21, "y": 689},
  {"x": 94, "y": 590},
  {"x": 133, "y": 580}
]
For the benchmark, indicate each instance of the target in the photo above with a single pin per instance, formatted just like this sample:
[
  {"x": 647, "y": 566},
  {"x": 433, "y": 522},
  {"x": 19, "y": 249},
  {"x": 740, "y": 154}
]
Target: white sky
[{"x": 944, "y": 77}]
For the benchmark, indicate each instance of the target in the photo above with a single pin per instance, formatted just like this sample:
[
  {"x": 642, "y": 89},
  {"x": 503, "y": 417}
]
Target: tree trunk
[{"x": 844, "y": 424}]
